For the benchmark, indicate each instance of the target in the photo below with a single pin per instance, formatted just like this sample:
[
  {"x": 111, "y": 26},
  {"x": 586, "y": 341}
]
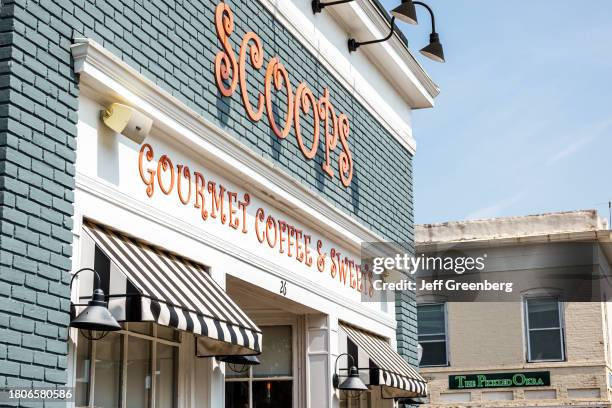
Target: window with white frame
[
  {"x": 269, "y": 384},
  {"x": 544, "y": 329},
  {"x": 134, "y": 367},
  {"x": 431, "y": 319}
]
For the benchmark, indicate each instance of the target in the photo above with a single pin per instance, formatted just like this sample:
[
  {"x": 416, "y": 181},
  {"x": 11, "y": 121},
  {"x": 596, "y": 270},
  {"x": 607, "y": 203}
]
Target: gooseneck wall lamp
[
  {"x": 95, "y": 321},
  {"x": 406, "y": 12},
  {"x": 434, "y": 50},
  {"x": 352, "y": 385}
]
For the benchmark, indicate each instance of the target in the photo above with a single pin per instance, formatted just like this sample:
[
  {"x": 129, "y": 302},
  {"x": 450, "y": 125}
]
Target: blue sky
[{"x": 523, "y": 124}]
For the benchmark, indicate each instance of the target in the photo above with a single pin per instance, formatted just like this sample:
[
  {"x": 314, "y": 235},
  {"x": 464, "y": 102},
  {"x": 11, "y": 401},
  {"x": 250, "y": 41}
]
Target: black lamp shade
[
  {"x": 353, "y": 382},
  {"x": 96, "y": 316},
  {"x": 406, "y": 12},
  {"x": 244, "y": 360},
  {"x": 412, "y": 401},
  {"x": 434, "y": 50}
]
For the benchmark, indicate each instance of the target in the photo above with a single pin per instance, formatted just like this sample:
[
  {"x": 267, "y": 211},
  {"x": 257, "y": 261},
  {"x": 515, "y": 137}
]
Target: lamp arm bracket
[
  {"x": 354, "y": 44},
  {"x": 96, "y": 277},
  {"x": 433, "y": 18},
  {"x": 338, "y": 358}
]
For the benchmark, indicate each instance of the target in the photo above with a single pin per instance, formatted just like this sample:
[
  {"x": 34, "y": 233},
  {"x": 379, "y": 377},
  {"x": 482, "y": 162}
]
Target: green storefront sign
[{"x": 499, "y": 380}]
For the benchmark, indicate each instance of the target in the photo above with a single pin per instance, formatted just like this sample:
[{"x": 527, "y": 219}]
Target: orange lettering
[
  {"x": 257, "y": 60},
  {"x": 243, "y": 206},
  {"x": 299, "y": 254},
  {"x": 271, "y": 224},
  {"x": 150, "y": 180},
  {"x": 163, "y": 165},
  {"x": 282, "y": 226},
  {"x": 229, "y": 72},
  {"x": 232, "y": 198},
  {"x": 352, "y": 279},
  {"x": 225, "y": 61},
  {"x": 345, "y": 161},
  {"x": 276, "y": 71},
  {"x": 259, "y": 216},
  {"x": 305, "y": 99},
  {"x": 200, "y": 199},
  {"x": 328, "y": 114},
  {"x": 217, "y": 201},
  {"x": 187, "y": 174},
  {"x": 320, "y": 257},
  {"x": 307, "y": 255}
]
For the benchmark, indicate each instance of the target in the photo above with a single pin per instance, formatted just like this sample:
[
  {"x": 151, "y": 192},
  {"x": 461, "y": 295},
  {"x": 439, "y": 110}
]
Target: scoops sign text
[{"x": 230, "y": 72}]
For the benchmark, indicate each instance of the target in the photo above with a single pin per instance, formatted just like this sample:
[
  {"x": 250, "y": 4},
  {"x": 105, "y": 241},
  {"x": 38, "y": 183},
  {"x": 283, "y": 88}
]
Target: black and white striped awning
[
  {"x": 397, "y": 378},
  {"x": 147, "y": 284}
]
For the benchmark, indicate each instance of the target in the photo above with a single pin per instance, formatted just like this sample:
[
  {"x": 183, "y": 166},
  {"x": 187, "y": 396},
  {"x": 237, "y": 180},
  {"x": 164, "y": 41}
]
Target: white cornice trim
[
  {"x": 365, "y": 15},
  {"x": 110, "y": 194},
  {"x": 114, "y": 79}
]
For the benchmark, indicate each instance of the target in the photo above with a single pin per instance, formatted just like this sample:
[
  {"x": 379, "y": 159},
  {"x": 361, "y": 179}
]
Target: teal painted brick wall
[
  {"x": 38, "y": 101},
  {"x": 173, "y": 43}
]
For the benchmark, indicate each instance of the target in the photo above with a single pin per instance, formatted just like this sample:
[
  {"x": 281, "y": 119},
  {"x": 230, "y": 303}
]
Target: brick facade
[
  {"x": 37, "y": 152},
  {"x": 172, "y": 43}
]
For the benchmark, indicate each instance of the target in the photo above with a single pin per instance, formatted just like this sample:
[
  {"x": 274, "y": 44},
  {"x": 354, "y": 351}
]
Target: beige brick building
[{"x": 538, "y": 351}]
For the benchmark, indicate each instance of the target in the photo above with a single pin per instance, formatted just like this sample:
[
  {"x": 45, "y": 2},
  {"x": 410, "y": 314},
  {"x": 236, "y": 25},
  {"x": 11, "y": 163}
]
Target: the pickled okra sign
[
  {"x": 231, "y": 71},
  {"x": 499, "y": 380}
]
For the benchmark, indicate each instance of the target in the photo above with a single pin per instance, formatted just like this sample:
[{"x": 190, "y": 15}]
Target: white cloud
[
  {"x": 575, "y": 146},
  {"x": 496, "y": 209}
]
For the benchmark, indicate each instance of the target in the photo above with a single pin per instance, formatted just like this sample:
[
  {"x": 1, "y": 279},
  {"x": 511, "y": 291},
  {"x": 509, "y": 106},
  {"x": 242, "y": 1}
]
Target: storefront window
[
  {"x": 165, "y": 375},
  {"x": 107, "y": 371},
  {"x": 269, "y": 384},
  {"x": 432, "y": 334},
  {"x": 544, "y": 329},
  {"x": 237, "y": 394},
  {"x": 138, "y": 379},
  {"x": 268, "y": 394},
  {"x": 121, "y": 375},
  {"x": 83, "y": 371}
]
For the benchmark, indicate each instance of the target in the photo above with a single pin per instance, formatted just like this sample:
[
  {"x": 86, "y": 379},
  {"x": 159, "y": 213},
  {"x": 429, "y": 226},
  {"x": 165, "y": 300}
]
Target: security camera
[{"x": 128, "y": 121}]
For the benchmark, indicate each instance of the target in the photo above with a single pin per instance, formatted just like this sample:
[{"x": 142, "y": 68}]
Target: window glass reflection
[
  {"x": 165, "y": 376},
  {"x": 138, "y": 372},
  {"x": 82, "y": 371},
  {"x": 108, "y": 371},
  {"x": 277, "y": 355},
  {"x": 272, "y": 394},
  {"x": 237, "y": 394}
]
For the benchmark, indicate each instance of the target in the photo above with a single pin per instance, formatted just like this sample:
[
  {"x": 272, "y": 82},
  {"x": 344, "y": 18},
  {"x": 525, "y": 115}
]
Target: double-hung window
[
  {"x": 431, "y": 320},
  {"x": 544, "y": 329}
]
